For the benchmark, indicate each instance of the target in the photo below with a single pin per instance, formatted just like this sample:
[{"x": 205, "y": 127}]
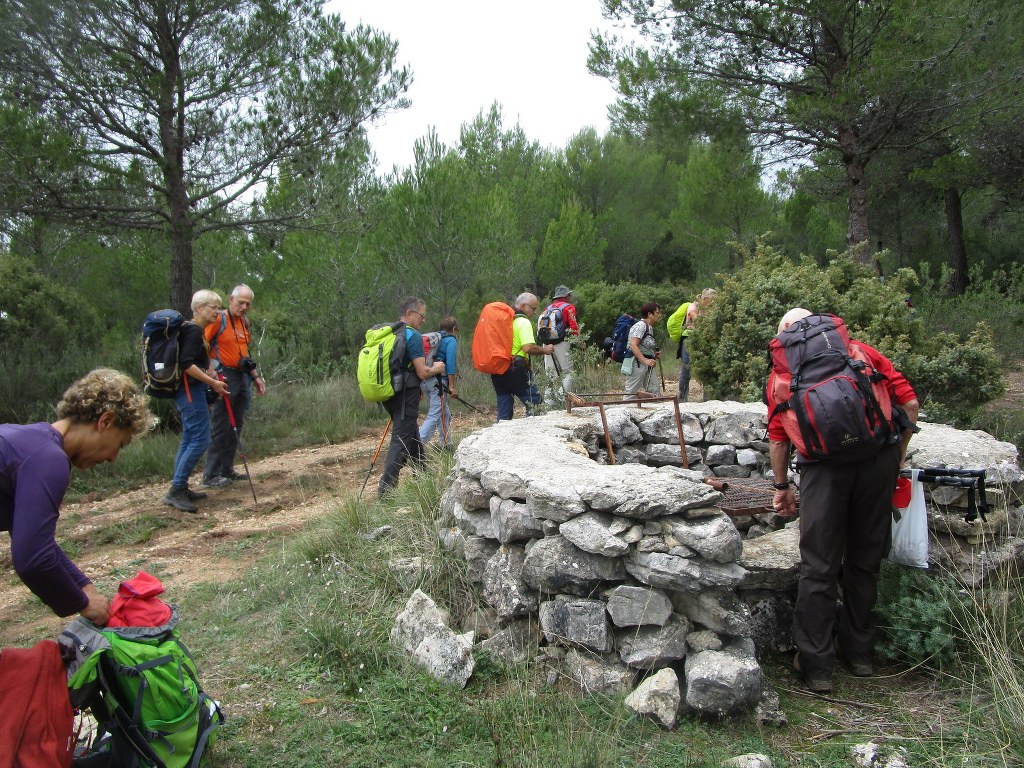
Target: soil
[{"x": 112, "y": 538}]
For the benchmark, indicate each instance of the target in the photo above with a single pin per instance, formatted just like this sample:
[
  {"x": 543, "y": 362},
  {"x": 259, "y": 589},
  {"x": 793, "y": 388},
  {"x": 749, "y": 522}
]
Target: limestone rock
[
  {"x": 719, "y": 611},
  {"x": 513, "y": 521},
  {"x": 653, "y": 647},
  {"x": 514, "y": 644},
  {"x": 658, "y": 697},
  {"x": 681, "y": 573},
  {"x": 477, "y": 551},
  {"x": 772, "y": 561},
  {"x": 421, "y": 631},
  {"x": 576, "y": 621},
  {"x": 504, "y": 588},
  {"x": 721, "y": 683},
  {"x": 597, "y": 674},
  {"x": 555, "y": 565},
  {"x": 631, "y": 606},
  {"x": 592, "y": 533},
  {"x": 714, "y": 538}
]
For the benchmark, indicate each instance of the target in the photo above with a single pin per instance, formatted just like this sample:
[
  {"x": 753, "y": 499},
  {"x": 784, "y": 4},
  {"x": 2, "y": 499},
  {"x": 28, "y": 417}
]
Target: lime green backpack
[
  {"x": 381, "y": 373},
  {"x": 141, "y": 685}
]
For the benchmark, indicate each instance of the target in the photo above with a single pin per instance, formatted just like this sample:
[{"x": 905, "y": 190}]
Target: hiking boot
[
  {"x": 177, "y": 497},
  {"x": 816, "y": 683},
  {"x": 859, "y": 667},
  {"x": 237, "y": 476},
  {"x": 215, "y": 482},
  {"x": 194, "y": 495}
]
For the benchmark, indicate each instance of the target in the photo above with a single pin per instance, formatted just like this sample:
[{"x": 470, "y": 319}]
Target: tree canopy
[{"x": 186, "y": 109}]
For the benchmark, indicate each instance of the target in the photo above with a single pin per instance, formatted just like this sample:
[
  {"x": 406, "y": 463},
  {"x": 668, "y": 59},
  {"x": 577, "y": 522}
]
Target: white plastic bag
[{"x": 910, "y": 532}]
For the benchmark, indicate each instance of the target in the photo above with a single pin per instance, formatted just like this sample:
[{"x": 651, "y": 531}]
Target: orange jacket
[{"x": 229, "y": 338}]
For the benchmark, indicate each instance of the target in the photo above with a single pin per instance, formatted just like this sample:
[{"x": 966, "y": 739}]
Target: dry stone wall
[{"x": 618, "y": 571}]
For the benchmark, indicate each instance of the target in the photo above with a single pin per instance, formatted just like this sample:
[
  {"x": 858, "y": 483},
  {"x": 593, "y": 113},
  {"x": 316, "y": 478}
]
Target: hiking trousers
[
  {"x": 845, "y": 529},
  {"x": 404, "y": 408},
  {"x": 558, "y": 368},
  {"x": 220, "y": 458},
  {"x": 517, "y": 381}
]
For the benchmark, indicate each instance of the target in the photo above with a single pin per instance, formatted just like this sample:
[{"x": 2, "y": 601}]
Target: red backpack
[
  {"x": 834, "y": 406},
  {"x": 36, "y": 722},
  {"x": 492, "y": 339}
]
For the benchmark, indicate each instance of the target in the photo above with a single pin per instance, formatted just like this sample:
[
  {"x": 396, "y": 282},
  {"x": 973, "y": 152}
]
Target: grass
[{"x": 311, "y": 678}]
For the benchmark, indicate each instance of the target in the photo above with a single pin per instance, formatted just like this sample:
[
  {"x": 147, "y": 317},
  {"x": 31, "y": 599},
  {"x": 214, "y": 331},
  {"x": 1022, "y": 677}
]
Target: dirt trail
[{"x": 215, "y": 545}]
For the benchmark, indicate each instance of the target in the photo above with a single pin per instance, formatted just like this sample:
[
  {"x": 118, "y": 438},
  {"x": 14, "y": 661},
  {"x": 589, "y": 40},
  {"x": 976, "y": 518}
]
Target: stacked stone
[{"x": 623, "y": 570}]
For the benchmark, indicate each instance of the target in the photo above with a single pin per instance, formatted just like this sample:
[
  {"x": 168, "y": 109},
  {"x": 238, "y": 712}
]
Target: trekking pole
[
  {"x": 662, "y": 372},
  {"x": 376, "y": 453},
  {"x": 448, "y": 392},
  {"x": 238, "y": 438}
]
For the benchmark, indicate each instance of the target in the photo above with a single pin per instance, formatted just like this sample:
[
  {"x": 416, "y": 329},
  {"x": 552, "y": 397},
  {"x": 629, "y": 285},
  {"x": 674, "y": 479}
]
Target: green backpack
[
  {"x": 381, "y": 373},
  {"x": 141, "y": 686}
]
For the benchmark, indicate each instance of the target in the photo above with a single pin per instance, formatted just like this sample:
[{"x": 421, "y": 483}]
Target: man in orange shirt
[{"x": 229, "y": 337}]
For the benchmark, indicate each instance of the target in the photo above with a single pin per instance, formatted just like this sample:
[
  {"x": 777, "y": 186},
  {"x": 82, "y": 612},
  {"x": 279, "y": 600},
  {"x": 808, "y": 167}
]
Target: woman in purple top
[{"x": 97, "y": 417}]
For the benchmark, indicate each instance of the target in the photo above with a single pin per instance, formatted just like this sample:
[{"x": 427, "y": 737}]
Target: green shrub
[
  {"x": 915, "y": 617},
  {"x": 952, "y": 377}
]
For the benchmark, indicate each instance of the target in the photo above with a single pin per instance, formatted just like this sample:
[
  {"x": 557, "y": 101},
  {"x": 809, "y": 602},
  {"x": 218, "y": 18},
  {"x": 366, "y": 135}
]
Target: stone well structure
[{"x": 618, "y": 571}]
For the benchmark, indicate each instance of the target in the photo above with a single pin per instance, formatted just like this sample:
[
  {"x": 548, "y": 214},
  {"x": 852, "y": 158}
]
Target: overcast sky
[{"x": 530, "y": 56}]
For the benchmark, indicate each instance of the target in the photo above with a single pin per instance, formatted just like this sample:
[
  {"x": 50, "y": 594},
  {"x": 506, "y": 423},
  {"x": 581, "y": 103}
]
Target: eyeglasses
[
  {"x": 532, "y": 307},
  {"x": 421, "y": 314}
]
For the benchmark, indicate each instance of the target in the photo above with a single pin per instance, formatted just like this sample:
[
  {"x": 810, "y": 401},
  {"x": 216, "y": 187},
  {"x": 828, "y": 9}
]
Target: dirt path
[{"x": 112, "y": 538}]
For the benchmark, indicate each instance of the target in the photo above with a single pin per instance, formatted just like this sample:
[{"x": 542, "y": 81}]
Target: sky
[{"x": 530, "y": 56}]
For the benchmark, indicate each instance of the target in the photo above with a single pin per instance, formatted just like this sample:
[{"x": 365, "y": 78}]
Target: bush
[
  {"x": 915, "y": 619},
  {"x": 952, "y": 377}
]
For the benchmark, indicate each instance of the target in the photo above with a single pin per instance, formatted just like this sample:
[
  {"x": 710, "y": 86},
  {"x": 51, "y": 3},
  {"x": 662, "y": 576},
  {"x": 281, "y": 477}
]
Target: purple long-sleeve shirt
[{"x": 34, "y": 475}]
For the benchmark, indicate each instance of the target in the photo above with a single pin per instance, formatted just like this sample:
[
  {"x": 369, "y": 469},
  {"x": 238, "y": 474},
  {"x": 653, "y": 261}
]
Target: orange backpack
[{"x": 492, "y": 340}]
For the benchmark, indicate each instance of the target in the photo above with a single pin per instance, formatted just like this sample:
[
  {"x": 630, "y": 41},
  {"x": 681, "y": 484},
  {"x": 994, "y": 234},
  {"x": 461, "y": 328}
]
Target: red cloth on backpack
[
  {"x": 36, "y": 722},
  {"x": 137, "y": 605}
]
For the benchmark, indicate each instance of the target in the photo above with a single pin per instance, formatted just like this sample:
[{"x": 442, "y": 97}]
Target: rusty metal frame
[{"x": 601, "y": 400}]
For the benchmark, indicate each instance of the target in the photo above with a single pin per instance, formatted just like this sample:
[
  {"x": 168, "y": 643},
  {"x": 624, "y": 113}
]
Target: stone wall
[{"x": 616, "y": 571}]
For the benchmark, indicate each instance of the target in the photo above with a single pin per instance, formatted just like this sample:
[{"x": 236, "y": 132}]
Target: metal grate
[{"x": 748, "y": 496}]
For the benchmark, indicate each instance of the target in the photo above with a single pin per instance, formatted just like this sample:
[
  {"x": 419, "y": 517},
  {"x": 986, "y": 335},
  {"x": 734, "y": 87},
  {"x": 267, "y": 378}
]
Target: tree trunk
[
  {"x": 957, "y": 247},
  {"x": 857, "y": 232}
]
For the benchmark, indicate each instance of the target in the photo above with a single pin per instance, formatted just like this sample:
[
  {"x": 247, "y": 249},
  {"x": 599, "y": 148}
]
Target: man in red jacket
[{"x": 845, "y": 523}]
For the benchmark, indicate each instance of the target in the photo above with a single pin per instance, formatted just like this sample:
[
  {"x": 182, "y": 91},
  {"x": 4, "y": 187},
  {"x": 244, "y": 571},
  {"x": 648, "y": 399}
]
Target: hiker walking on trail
[
  {"x": 193, "y": 407},
  {"x": 845, "y": 501},
  {"x": 229, "y": 338},
  {"x": 404, "y": 405},
  {"x": 679, "y": 325},
  {"x": 640, "y": 364},
  {"x": 517, "y": 381},
  {"x": 97, "y": 417},
  {"x": 554, "y": 326},
  {"x": 439, "y": 414}
]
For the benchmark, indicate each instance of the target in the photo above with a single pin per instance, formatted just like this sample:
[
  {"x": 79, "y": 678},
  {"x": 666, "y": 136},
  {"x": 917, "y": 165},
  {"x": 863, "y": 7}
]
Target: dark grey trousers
[
  {"x": 220, "y": 456},
  {"x": 845, "y": 529},
  {"x": 404, "y": 408}
]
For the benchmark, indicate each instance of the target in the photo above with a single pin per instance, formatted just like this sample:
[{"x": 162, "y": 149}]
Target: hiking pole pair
[
  {"x": 376, "y": 453},
  {"x": 445, "y": 391},
  {"x": 238, "y": 437}
]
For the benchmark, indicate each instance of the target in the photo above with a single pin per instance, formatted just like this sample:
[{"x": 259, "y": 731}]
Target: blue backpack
[
  {"x": 161, "y": 373},
  {"x": 618, "y": 343}
]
